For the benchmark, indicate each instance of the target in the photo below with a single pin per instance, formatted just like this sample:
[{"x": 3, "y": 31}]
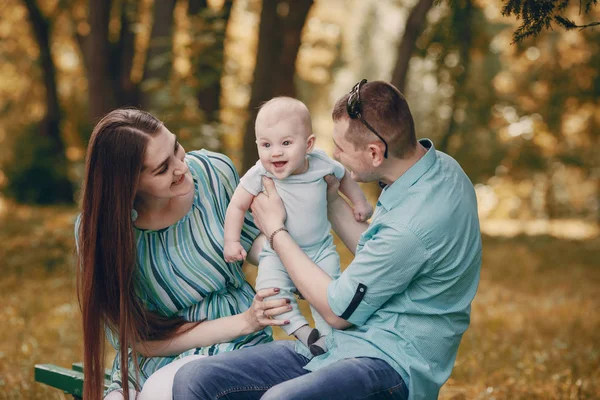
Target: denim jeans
[{"x": 274, "y": 371}]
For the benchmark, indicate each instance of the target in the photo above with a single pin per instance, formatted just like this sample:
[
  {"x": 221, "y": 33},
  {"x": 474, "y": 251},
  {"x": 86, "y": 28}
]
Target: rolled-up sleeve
[{"x": 384, "y": 266}]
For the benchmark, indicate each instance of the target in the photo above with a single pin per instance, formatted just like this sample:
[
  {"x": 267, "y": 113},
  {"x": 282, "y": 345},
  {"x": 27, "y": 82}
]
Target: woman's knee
[
  {"x": 157, "y": 387},
  {"x": 118, "y": 395},
  {"x": 160, "y": 384}
]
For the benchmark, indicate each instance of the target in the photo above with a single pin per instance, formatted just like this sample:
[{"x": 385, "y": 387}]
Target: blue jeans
[{"x": 274, "y": 371}]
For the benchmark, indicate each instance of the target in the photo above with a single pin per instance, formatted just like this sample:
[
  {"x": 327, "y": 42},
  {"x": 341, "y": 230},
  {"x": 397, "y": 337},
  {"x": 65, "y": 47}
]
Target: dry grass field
[{"x": 533, "y": 335}]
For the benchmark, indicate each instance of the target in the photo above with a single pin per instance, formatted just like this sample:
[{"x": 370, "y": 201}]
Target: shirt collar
[{"x": 393, "y": 193}]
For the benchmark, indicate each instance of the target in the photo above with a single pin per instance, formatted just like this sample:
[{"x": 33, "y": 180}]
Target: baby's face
[{"x": 282, "y": 146}]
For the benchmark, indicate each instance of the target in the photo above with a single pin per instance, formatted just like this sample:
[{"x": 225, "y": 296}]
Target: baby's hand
[
  {"x": 362, "y": 211},
  {"x": 233, "y": 251}
]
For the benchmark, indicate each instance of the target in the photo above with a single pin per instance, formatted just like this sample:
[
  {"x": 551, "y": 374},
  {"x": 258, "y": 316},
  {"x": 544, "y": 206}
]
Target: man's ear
[
  {"x": 375, "y": 154},
  {"x": 310, "y": 143}
]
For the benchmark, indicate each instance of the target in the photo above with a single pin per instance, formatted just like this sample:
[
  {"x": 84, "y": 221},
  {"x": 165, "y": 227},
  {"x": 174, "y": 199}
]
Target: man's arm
[
  {"x": 269, "y": 215},
  {"x": 309, "y": 279},
  {"x": 386, "y": 265},
  {"x": 391, "y": 259}
]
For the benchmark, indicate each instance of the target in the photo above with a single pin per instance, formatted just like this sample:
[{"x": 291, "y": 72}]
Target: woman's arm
[{"x": 223, "y": 329}]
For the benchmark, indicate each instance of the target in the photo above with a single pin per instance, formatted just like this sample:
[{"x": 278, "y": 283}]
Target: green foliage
[
  {"x": 458, "y": 44},
  {"x": 538, "y": 15},
  {"x": 37, "y": 173}
]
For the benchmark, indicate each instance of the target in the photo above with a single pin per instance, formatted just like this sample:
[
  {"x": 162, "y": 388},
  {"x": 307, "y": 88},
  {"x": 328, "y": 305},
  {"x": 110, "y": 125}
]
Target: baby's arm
[
  {"x": 234, "y": 220},
  {"x": 351, "y": 189}
]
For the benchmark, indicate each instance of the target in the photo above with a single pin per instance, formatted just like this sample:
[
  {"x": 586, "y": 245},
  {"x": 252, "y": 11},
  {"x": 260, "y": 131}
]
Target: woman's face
[{"x": 165, "y": 174}]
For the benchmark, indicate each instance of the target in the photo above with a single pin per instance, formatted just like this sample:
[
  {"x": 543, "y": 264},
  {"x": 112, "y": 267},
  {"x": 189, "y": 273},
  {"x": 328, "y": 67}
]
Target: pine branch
[
  {"x": 589, "y": 4},
  {"x": 568, "y": 24},
  {"x": 538, "y": 15}
]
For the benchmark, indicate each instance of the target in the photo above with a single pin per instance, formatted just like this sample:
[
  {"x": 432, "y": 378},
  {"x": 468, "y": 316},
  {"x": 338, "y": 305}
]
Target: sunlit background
[{"x": 523, "y": 119}]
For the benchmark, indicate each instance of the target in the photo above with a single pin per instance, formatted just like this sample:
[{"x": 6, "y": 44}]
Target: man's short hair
[{"x": 387, "y": 111}]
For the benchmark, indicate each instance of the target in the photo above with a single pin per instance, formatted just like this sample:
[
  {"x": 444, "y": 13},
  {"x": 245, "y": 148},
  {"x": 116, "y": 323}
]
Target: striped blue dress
[{"x": 181, "y": 267}]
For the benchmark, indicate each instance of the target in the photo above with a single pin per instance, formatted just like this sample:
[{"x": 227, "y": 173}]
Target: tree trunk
[
  {"x": 598, "y": 201},
  {"x": 278, "y": 43},
  {"x": 50, "y": 124},
  {"x": 413, "y": 29},
  {"x": 127, "y": 92},
  {"x": 465, "y": 39},
  {"x": 102, "y": 95},
  {"x": 209, "y": 62},
  {"x": 159, "y": 59},
  {"x": 41, "y": 29},
  {"x": 292, "y": 35}
]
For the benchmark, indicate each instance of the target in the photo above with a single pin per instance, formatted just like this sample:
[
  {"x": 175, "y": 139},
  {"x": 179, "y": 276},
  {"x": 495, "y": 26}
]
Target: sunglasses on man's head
[{"x": 354, "y": 108}]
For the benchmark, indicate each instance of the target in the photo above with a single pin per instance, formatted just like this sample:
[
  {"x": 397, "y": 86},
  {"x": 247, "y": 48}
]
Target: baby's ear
[{"x": 310, "y": 143}]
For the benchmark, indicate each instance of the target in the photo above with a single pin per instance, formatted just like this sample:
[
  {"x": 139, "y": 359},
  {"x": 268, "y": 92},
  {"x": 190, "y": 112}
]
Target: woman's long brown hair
[{"x": 107, "y": 251}]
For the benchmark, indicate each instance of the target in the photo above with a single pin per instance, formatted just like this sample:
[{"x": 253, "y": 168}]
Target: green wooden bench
[{"x": 69, "y": 381}]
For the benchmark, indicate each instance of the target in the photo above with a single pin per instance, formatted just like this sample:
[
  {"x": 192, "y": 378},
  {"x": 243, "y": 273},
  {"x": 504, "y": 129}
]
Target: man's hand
[{"x": 268, "y": 209}]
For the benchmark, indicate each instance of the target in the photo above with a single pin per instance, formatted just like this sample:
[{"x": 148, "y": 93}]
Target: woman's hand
[
  {"x": 260, "y": 314},
  {"x": 268, "y": 209}
]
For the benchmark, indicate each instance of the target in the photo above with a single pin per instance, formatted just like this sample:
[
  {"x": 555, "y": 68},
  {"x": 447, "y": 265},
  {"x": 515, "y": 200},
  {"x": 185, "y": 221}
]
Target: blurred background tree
[
  {"x": 38, "y": 173},
  {"x": 204, "y": 67}
]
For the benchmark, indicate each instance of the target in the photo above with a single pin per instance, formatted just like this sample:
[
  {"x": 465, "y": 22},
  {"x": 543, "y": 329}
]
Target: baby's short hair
[{"x": 282, "y": 107}]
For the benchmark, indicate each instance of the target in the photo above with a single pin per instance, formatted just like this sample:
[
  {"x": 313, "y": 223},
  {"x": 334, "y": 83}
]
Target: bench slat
[
  {"x": 78, "y": 366},
  {"x": 61, "y": 378},
  {"x": 68, "y": 380}
]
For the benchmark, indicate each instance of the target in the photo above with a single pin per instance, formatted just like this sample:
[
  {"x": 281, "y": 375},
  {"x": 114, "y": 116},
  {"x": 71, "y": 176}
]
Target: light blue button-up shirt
[{"x": 408, "y": 291}]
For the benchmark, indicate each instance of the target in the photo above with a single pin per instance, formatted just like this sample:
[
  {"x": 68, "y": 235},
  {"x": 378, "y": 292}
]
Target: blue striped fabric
[{"x": 181, "y": 267}]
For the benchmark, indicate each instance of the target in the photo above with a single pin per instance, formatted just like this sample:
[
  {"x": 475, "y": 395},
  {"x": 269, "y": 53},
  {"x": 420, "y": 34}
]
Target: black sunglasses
[{"x": 354, "y": 107}]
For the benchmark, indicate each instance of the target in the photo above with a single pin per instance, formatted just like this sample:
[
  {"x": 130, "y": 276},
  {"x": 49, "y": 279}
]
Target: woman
[{"x": 150, "y": 242}]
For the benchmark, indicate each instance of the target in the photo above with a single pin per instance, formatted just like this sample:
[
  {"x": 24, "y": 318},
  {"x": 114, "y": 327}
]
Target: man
[{"x": 400, "y": 308}]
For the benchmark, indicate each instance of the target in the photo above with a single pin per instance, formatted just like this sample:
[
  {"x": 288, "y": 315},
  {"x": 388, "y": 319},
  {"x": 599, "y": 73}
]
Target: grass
[{"x": 533, "y": 335}]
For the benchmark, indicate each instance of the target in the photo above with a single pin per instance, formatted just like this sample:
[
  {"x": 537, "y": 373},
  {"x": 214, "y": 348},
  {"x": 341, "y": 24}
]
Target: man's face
[{"x": 356, "y": 160}]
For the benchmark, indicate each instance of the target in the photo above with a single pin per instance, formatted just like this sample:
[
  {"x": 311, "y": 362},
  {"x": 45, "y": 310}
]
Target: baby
[{"x": 285, "y": 148}]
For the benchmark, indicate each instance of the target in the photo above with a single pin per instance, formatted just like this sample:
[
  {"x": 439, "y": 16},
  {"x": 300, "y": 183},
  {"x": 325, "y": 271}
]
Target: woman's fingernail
[
  {"x": 276, "y": 290},
  {"x": 287, "y": 322},
  {"x": 288, "y": 301},
  {"x": 290, "y": 308}
]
